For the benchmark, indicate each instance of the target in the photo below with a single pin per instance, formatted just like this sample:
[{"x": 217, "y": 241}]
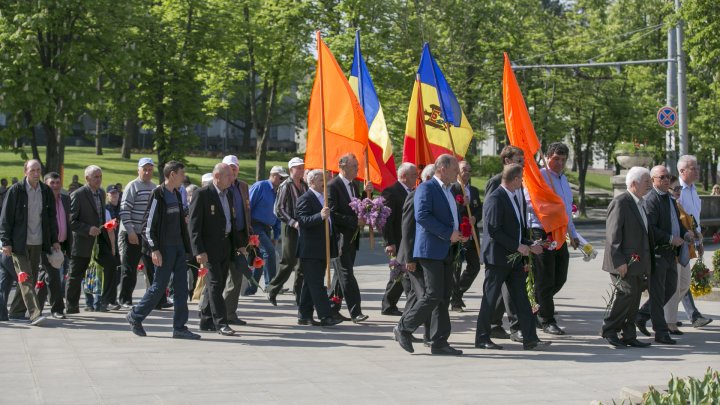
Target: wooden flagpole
[{"x": 324, "y": 161}]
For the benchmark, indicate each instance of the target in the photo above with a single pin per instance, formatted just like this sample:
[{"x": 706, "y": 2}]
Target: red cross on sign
[{"x": 667, "y": 116}]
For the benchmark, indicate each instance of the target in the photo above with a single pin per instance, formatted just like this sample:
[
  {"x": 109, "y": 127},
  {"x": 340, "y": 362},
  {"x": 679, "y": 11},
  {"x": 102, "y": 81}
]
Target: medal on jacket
[{"x": 212, "y": 209}]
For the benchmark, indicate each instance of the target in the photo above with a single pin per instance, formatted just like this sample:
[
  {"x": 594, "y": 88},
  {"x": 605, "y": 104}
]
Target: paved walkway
[{"x": 95, "y": 359}]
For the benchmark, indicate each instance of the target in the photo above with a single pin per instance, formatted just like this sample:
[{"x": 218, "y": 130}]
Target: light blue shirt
[
  {"x": 690, "y": 201},
  {"x": 562, "y": 188},
  {"x": 451, "y": 201}
]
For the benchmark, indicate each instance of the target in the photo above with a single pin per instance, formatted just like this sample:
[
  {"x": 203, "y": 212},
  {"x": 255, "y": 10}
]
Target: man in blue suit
[
  {"x": 504, "y": 234},
  {"x": 436, "y": 236}
]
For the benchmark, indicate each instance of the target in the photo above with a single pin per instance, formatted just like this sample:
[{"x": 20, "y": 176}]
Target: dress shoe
[
  {"x": 37, "y": 321},
  {"x": 330, "y": 321},
  {"x": 58, "y": 315},
  {"x": 226, "y": 331},
  {"x": 488, "y": 344},
  {"x": 498, "y": 332},
  {"x": 641, "y": 325},
  {"x": 18, "y": 318},
  {"x": 636, "y": 343},
  {"x": 700, "y": 322},
  {"x": 115, "y": 307},
  {"x": 237, "y": 321},
  {"x": 665, "y": 339},
  {"x": 359, "y": 318},
  {"x": 338, "y": 315},
  {"x": 517, "y": 336},
  {"x": 445, "y": 351},
  {"x": 404, "y": 339},
  {"x": 272, "y": 299},
  {"x": 307, "y": 322},
  {"x": 553, "y": 329},
  {"x": 137, "y": 327},
  {"x": 416, "y": 339},
  {"x": 536, "y": 345},
  {"x": 71, "y": 310},
  {"x": 676, "y": 332},
  {"x": 614, "y": 341},
  {"x": 210, "y": 328},
  {"x": 392, "y": 312},
  {"x": 185, "y": 334},
  {"x": 101, "y": 308}
]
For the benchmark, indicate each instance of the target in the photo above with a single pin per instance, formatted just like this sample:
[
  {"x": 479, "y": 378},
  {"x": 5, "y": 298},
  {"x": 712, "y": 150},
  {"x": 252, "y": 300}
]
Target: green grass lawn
[{"x": 116, "y": 169}]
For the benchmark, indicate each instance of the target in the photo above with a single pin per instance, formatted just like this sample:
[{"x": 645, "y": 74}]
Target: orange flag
[
  {"x": 334, "y": 104},
  {"x": 548, "y": 206}
]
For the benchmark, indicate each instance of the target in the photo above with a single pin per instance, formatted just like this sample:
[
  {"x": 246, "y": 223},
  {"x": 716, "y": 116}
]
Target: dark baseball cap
[{"x": 112, "y": 188}]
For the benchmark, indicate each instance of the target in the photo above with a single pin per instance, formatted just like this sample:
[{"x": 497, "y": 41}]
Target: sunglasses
[{"x": 663, "y": 177}]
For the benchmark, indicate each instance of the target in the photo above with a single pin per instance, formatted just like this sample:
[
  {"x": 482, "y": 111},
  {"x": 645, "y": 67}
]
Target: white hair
[
  {"x": 684, "y": 160},
  {"x": 403, "y": 168},
  {"x": 635, "y": 175},
  {"x": 312, "y": 174},
  {"x": 427, "y": 172},
  {"x": 92, "y": 169}
]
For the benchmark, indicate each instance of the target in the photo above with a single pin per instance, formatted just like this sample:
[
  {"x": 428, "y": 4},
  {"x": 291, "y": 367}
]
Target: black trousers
[
  {"x": 73, "y": 287},
  {"x": 289, "y": 263},
  {"x": 52, "y": 291},
  {"x": 345, "y": 284},
  {"x": 625, "y": 307},
  {"x": 110, "y": 265},
  {"x": 662, "y": 284},
  {"x": 505, "y": 305},
  {"x": 463, "y": 279},
  {"x": 212, "y": 310},
  {"x": 492, "y": 290},
  {"x": 130, "y": 256},
  {"x": 551, "y": 271},
  {"x": 434, "y": 301},
  {"x": 417, "y": 289},
  {"x": 313, "y": 293},
  {"x": 393, "y": 292}
]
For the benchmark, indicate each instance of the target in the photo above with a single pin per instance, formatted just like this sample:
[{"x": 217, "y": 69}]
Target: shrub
[
  {"x": 688, "y": 390},
  {"x": 489, "y": 166}
]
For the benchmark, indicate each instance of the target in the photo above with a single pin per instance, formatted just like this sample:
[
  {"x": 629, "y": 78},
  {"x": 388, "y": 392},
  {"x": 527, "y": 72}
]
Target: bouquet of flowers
[
  {"x": 94, "y": 275},
  {"x": 700, "y": 279},
  {"x": 547, "y": 244},
  {"x": 634, "y": 258},
  {"x": 254, "y": 260},
  {"x": 397, "y": 270},
  {"x": 372, "y": 211}
]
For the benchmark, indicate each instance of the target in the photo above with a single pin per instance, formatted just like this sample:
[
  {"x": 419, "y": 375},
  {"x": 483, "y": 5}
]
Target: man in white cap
[
  {"x": 264, "y": 221},
  {"x": 288, "y": 193},
  {"x": 241, "y": 204},
  {"x": 134, "y": 203}
]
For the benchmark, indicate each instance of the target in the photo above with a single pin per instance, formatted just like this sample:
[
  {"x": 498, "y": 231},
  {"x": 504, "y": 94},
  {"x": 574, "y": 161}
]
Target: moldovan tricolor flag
[
  {"x": 548, "y": 206},
  {"x": 379, "y": 140},
  {"x": 334, "y": 106},
  {"x": 432, "y": 105}
]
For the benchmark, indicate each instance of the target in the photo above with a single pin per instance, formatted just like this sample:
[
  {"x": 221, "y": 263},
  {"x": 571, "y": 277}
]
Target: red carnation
[
  {"x": 254, "y": 240},
  {"x": 716, "y": 237},
  {"x": 39, "y": 285},
  {"x": 466, "y": 228},
  {"x": 202, "y": 271},
  {"x": 22, "y": 277},
  {"x": 141, "y": 267},
  {"x": 336, "y": 300},
  {"x": 111, "y": 224},
  {"x": 459, "y": 199},
  {"x": 258, "y": 263}
]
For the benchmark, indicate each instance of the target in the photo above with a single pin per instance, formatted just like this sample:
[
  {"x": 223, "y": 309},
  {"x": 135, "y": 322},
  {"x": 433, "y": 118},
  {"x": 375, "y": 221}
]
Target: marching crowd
[{"x": 217, "y": 240}]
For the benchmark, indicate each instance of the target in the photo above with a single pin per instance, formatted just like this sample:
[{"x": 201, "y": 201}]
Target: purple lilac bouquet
[
  {"x": 397, "y": 269},
  {"x": 373, "y": 212}
]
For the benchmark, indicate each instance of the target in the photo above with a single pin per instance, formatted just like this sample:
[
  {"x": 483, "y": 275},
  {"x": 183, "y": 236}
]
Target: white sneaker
[{"x": 37, "y": 321}]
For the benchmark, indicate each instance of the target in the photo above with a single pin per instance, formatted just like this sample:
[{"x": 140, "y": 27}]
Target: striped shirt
[
  {"x": 287, "y": 195},
  {"x": 135, "y": 200}
]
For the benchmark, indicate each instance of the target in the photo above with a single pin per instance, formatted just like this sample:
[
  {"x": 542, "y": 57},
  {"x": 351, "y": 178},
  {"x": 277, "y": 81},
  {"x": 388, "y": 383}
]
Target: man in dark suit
[
  {"x": 509, "y": 155},
  {"x": 436, "y": 235},
  {"x": 627, "y": 236},
  {"x": 470, "y": 195},
  {"x": 395, "y": 196},
  {"x": 87, "y": 216},
  {"x": 346, "y": 224},
  {"x": 311, "y": 215},
  {"x": 214, "y": 242},
  {"x": 503, "y": 235},
  {"x": 669, "y": 235}
]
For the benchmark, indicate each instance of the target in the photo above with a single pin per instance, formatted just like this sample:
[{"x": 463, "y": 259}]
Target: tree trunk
[
  {"x": 98, "y": 124},
  {"x": 33, "y": 139},
  {"x": 55, "y": 153},
  {"x": 262, "y": 142},
  {"x": 131, "y": 133}
]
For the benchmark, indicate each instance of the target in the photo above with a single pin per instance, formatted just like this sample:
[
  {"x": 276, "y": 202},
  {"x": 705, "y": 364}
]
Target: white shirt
[
  {"x": 690, "y": 201},
  {"x": 348, "y": 185},
  {"x": 321, "y": 198},
  {"x": 451, "y": 202},
  {"x": 640, "y": 208},
  {"x": 515, "y": 202}
]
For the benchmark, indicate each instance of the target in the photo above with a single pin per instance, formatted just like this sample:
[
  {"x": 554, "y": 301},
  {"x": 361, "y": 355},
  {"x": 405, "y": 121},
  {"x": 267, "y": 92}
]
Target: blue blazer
[
  {"x": 501, "y": 230},
  {"x": 433, "y": 222}
]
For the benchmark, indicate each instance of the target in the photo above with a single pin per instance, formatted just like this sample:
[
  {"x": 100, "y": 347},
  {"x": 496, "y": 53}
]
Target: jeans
[
  {"x": 7, "y": 277},
  {"x": 690, "y": 309},
  {"x": 267, "y": 249},
  {"x": 173, "y": 264}
]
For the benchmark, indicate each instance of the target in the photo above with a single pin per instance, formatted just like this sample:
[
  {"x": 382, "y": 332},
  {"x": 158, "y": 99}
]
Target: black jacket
[
  {"x": 154, "y": 226},
  {"x": 475, "y": 204},
  {"x": 207, "y": 224},
  {"x": 394, "y": 199},
  {"x": 83, "y": 216},
  {"x": 501, "y": 230},
  {"x": 405, "y": 250},
  {"x": 344, "y": 219},
  {"x": 13, "y": 220},
  {"x": 657, "y": 210},
  {"x": 311, "y": 242}
]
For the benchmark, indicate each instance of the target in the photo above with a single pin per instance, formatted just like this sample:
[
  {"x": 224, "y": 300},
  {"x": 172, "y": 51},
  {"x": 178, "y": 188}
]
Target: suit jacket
[
  {"x": 311, "y": 242},
  {"x": 344, "y": 219},
  {"x": 245, "y": 194},
  {"x": 14, "y": 218},
  {"x": 433, "y": 222},
  {"x": 207, "y": 224},
  {"x": 502, "y": 232},
  {"x": 657, "y": 209},
  {"x": 475, "y": 204},
  {"x": 395, "y": 196},
  {"x": 405, "y": 249},
  {"x": 625, "y": 235},
  {"x": 494, "y": 183},
  {"x": 83, "y": 216},
  {"x": 67, "y": 245}
]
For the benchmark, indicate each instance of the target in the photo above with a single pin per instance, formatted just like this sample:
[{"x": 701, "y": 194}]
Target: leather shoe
[
  {"x": 553, "y": 329},
  {"x": 700, "y": 322},
  {"x": 58, "y": 315},
  {"x": 73, "y": 310},
  {"x": 272, "y": 299},
  {"x": 330, "y": 321},
  {"x": 404, "y": 339},
  {"x": 614, "y": 341},
  {"x": 416, "y": 339},
  {"x": 488, "y": 344},
  {"x": 498, "y": 332},
  {"x": 676, "y": 332},
  {"x": 445, "y": 351},
  {"x": 636, "y": 343},
  {"x": 238, "y": 322},
  {"x": 536, "y": 345},
  {"x": 306, "y": 322},
  {"x": 392, "y": 312},
  {"x": 517, "y": 336},
  {"x": 665, "y": 339},
  {"x": 640, "y": 323},
  {"x": 210, "y": 328},
  {"x": 185, "y": 334},
  {"x": 226, "y": 331},
  {"x": 340, "y": 316},
  {"x": 359, "y": 318}
]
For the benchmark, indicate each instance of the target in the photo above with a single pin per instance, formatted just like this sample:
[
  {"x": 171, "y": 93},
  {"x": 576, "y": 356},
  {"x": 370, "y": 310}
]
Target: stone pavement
[{"x": 95, "y": 359}]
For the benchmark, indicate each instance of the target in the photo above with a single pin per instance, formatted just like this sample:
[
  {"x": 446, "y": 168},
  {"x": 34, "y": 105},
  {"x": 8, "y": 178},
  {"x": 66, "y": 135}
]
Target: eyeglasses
[
  {"x": 663, "y": 177},
  {"x": 677, "y": 189}
]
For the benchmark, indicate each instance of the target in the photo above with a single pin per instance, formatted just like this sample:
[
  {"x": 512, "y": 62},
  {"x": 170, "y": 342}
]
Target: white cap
[
  {"x": 207, "y": 177},
  {"x": 296, "y": 161},
  {"x": 145, "y": 161},
  {"x": 279, "y": 170},
  {"x": 231, "y": 160}
]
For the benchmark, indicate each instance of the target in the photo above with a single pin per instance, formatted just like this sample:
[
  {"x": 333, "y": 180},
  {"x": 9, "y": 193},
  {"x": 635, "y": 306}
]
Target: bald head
[{"x": 33, "y": 171}]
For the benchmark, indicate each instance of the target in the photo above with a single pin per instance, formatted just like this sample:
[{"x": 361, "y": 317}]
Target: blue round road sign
[{"x": 667, "y": 116}]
